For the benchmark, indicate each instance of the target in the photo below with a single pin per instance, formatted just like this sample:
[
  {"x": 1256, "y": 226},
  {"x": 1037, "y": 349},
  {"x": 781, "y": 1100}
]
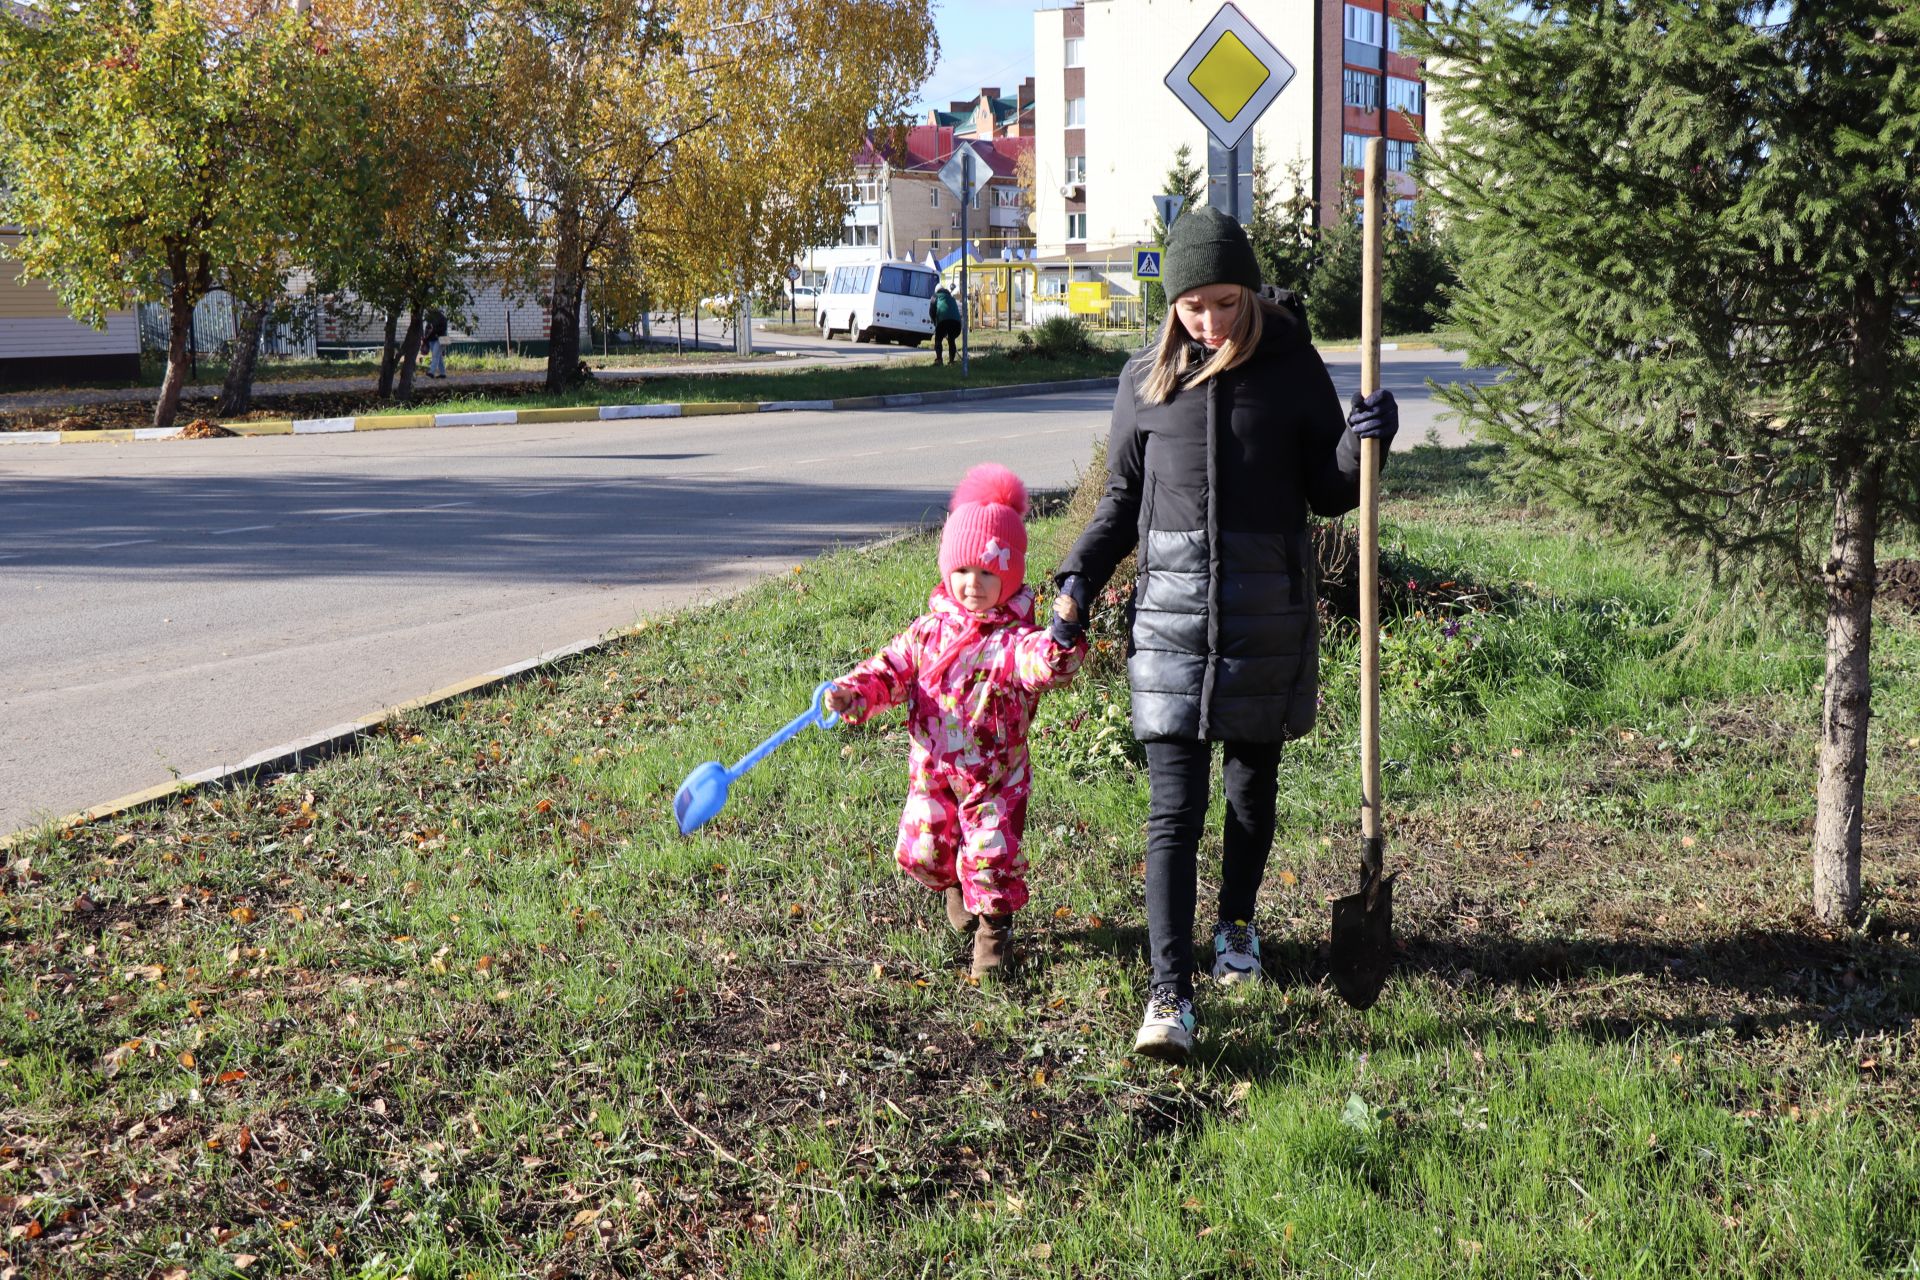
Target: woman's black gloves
[
  {"x": 1376, "y": 417},
  {"x": 1067, "y": 634}
]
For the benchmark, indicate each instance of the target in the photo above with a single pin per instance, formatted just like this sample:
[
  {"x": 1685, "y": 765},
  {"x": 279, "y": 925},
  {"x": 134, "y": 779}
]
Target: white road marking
[
  {"x": 240, "y": 528},
  {"x": 442, "y": 506},
  {"x": 129, "y": 542},
  {"x": 358, "y": 515}
]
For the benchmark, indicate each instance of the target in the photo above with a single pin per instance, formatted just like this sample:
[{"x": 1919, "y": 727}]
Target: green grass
[
  {"x": 908, "y": 374},
  {"x": 272, "y": 369},
  {"x": 464, "y": 1004}
]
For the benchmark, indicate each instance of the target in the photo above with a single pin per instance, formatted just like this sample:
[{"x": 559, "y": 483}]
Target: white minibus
[{"x": 878, "y": 302}]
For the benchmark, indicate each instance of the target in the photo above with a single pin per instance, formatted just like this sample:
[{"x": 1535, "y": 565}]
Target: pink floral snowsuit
[{"x": 968, "y": 779}]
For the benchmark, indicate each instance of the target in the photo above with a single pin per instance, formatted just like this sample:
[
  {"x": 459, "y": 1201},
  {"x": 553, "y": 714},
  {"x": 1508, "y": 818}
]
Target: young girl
[{"x": 971, "y": 670}]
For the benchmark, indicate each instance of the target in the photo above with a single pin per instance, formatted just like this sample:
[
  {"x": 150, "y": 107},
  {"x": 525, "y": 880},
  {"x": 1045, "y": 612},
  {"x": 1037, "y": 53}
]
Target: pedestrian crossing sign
[
  {"x": 1146, "y": 264},
  {"x": 1229, "y": 75}
]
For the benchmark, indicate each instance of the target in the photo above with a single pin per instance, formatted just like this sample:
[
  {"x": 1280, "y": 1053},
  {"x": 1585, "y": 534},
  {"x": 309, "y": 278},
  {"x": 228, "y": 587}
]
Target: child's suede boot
[
  {"x": 961, "y": 919},
  {"x": 992, "y": 946}
]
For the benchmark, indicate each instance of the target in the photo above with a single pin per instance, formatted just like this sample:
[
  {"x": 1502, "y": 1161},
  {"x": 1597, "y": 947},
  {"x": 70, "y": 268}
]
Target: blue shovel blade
[{"x": 701, "y": 796}]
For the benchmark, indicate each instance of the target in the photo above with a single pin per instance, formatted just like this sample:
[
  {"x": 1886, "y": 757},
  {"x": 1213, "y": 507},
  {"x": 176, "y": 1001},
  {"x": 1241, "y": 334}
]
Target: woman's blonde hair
[{"x": 1174, "y": 367}]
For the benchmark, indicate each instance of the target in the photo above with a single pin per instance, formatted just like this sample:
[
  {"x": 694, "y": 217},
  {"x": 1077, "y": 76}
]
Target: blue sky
[{"x": 982, "y": 42}]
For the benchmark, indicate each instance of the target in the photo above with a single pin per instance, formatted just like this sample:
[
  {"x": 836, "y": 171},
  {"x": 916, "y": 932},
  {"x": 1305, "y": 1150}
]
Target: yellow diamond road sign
[{"x": 1229, "y": 75}]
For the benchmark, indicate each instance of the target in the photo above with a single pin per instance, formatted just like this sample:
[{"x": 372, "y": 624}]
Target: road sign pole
[{"x": 966, "y": 317}]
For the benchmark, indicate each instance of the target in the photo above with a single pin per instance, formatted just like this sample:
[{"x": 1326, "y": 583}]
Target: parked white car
[{"x": 878, "y": 301}]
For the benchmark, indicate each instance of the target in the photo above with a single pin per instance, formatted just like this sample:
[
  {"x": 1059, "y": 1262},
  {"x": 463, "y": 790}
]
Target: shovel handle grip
[{"x": 816, "y": 713}]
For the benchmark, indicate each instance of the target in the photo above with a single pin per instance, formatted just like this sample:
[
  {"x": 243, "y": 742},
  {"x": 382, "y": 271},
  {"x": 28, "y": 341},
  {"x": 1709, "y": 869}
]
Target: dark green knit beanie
[{"x": 1204, "y": 247}]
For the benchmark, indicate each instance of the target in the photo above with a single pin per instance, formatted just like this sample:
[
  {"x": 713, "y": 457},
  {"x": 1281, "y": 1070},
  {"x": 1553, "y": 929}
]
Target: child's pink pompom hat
[{"x": 987, "y": 527}]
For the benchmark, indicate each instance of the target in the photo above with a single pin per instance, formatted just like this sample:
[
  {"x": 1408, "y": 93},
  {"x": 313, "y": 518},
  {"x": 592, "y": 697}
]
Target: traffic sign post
[
  {"x": 1228, "y": 77},
  {"x": 957, "y": 173}
]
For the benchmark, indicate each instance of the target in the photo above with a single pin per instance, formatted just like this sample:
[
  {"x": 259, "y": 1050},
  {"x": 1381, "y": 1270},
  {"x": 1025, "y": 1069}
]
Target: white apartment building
[{"x": 1107, "y": 127}]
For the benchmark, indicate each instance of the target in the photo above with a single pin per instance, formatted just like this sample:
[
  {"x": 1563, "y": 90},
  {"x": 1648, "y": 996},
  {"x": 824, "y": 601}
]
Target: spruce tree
[
  {"x": 1333, "y": 289},
  {"x": 1281, "y": 229},
  {"x": 1186, "y": 179},
  {"x": 1685, "y": 230}
]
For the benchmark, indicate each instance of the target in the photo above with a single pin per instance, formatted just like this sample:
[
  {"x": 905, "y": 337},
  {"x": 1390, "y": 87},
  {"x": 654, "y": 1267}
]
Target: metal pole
[{"x": 966, "y": 202}]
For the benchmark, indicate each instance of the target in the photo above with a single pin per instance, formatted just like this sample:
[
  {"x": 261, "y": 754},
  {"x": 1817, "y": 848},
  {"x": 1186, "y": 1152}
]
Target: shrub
[{"x": 1056, "y": 338}]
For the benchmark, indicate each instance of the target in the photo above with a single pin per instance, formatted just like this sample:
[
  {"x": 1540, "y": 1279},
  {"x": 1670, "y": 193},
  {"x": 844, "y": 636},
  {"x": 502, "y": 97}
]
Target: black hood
[{"x": 1284, "y": 326}]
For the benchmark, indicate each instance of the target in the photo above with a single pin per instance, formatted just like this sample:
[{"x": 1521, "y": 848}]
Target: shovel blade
[
  {"x": 701, "y": 796},
  {"x": 1363, "y": 942}
]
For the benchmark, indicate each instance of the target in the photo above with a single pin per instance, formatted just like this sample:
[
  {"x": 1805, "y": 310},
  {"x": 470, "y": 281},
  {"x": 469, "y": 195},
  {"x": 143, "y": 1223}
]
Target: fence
[{"x": 214, "y": 328}]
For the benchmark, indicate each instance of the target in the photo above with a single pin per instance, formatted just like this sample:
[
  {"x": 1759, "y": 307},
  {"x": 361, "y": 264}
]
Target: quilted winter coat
[{"x": 1214, "y": 488}]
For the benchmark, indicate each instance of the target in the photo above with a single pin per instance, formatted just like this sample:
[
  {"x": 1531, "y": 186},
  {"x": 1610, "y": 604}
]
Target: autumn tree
[
  {"x": 157, "y": 149},
  {"x": 439, "y": 203},
  {"x": 1686, "y": 226},
  {"x": 722, "y": 118}
]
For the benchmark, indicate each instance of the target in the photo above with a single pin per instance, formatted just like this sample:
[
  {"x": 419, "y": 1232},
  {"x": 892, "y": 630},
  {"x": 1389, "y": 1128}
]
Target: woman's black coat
[{"x": 1214, "y": 487}]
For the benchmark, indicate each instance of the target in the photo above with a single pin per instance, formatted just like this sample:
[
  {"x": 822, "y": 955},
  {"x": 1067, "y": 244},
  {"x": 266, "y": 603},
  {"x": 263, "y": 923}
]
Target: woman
[{"x": 1225, "y": 436}]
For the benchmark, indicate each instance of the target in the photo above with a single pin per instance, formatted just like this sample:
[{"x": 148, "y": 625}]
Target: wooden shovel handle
[{"x": 1375, "y": 194}]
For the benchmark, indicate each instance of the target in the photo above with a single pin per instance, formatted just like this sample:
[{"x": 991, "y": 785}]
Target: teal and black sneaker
[
  {"x": 1236, "y": 953},
  {"x": 1167, "y": 1031}
]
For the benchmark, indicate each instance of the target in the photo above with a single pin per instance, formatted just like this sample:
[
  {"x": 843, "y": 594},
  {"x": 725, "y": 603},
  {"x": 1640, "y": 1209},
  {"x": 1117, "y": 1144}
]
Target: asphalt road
[{"x": 166, "y": 607}]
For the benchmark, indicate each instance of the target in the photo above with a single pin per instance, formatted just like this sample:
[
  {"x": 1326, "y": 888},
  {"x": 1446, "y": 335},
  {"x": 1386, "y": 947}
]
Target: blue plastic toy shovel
[{"x": 704, "y": 793}]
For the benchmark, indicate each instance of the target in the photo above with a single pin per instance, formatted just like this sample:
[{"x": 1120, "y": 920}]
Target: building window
[
  {"x": 1076, "y": 169},
  {"x": 1076, "y": 51},
  {"x": 1405, "y": 95},
  {"x": 1361, "y": 89},
  {"x": 1076, "y": 226},
  {"x": 1363, "y": 25},
  {"x": 1393, "y": 37},
  {"x": 1353, "y": 150},
  {"x": 1076, "y": 113},
  {"x": 1399, "y": 155},
  {"x": 860, "y": 237}
]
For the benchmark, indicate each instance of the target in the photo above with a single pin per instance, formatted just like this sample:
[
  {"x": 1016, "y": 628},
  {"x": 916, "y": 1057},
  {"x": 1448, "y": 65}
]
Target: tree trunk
[
  {"x": 180, "y": 314},
  {"x": 409, "y": 354},
  {"x": 569, "y": 285},
  {"x": 1849, "y": 580},
  {"x": 389, "y": 355},
  {"x": 236, "y": 396}
]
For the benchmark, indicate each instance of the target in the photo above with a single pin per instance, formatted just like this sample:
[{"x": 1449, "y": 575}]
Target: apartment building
[
  {"x": 897, "y": 205},
  {"x": 1106, "y": 126}
]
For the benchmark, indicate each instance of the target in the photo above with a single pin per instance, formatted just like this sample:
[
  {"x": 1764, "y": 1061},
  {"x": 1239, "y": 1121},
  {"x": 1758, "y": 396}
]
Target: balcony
[
  {"x": 1007, "y": 216},
  {"x": 862, "y": 215}
]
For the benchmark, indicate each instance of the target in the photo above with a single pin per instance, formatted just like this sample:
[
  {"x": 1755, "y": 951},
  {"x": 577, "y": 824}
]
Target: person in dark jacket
[
  {"x": 944, "y": 312},
  {"x": 1225, "y": 436},
  {"x": 434, "y": 337}
]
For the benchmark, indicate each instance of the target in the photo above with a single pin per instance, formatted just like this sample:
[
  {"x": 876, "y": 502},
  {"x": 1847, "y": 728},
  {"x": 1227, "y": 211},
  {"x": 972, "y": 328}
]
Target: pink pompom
[{"x": 990, "y": 482}]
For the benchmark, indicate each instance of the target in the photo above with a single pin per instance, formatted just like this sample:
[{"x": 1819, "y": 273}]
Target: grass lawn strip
[
  {"x": 908, "y": 376},
  {"x": 465, "y": 1004}
]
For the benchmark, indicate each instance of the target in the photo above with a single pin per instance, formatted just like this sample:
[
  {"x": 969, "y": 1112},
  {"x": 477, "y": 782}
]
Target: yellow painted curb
[
  {"x": 392, "y": 421},
  {"x": 111, "y": 808},
  {"x": 88, "y": 437},
  {"x": 573, "y": 413},
  {"x": 265, "y": 427},
  {"x": 714, "y": 407}
]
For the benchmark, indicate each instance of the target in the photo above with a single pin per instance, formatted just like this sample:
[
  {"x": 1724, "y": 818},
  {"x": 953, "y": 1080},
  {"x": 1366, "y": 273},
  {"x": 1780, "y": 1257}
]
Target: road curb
[
  {"x": 302, "y": 753},
  {"x": 574, "y": 413}
]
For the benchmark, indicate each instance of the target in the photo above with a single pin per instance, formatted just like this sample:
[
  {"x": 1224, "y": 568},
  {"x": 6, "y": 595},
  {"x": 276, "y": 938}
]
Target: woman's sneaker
[
  {"x": 1167, "y": 1031},
  {"x": 1236, "y": 953}
]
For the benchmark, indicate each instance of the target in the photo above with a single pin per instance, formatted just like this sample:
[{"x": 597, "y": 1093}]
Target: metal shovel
[
  {"x": 704, "y": 793},
  {"x": 1363, "y": 922}
]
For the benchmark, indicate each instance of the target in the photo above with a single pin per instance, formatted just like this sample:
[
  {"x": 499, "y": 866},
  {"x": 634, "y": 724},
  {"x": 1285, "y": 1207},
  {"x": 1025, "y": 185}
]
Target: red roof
[{"x": 928, "y": 146}]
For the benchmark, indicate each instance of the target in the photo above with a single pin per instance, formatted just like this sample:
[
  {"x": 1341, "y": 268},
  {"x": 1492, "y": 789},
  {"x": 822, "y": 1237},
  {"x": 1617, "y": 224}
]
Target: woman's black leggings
[{"x": 1177, "y": 777}]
